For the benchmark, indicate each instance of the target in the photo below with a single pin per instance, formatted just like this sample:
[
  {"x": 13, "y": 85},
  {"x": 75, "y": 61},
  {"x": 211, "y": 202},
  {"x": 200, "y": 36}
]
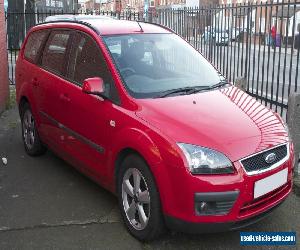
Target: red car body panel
[
  {"x": 227, "y": 120},
  {"x": 202, "y": 117}
]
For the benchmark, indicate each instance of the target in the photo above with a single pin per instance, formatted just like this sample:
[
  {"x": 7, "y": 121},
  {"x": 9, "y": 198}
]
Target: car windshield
[{"x": 153, "y": 64}]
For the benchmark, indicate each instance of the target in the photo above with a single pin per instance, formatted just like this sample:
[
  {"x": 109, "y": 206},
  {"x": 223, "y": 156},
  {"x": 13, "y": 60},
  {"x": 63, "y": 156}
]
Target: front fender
[
  {"x": 137, "y": 140},
  {"x": 159, "y": 153}
]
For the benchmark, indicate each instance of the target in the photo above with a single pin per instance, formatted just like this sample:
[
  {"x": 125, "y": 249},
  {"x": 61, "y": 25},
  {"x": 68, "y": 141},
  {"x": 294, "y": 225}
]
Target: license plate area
[{"x": 270, "y": 183}]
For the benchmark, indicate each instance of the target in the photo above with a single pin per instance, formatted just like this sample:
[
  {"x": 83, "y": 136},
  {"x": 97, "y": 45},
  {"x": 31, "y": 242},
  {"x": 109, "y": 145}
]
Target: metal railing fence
[{"x": 256, "y": 41}]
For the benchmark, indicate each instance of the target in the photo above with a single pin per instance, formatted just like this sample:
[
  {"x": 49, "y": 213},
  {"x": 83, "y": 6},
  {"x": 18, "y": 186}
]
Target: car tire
[
  {"x": 139, "y": 204},
  {"x": 30, "y": 136}
]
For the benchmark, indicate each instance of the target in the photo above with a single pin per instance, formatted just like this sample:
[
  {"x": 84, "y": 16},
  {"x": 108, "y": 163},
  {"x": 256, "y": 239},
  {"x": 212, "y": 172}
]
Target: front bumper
[
  {"x": 194, "y": 228},
  {"x": 180, "y": 206}
]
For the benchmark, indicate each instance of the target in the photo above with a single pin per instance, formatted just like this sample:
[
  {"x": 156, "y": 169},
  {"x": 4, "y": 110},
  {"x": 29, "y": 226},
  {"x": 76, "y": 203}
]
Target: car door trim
[{"x": 71, "y": 132}]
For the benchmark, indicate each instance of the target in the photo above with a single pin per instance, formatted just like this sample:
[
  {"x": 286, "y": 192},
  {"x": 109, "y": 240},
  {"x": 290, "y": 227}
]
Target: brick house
[
  {"x": 122, "y": 5},
  {"x": 184, "y": 3},
  {"x": 92, "y": 5},
  {"x": 4, "y": 88}
]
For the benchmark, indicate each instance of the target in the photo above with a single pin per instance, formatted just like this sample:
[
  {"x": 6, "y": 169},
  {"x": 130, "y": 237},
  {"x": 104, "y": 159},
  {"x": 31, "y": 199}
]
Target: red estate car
[{"x": 140, "y": 111}]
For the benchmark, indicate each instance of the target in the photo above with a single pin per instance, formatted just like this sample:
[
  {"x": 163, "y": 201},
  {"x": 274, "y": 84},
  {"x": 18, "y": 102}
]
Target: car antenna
[{"x": 140, "y": 26}]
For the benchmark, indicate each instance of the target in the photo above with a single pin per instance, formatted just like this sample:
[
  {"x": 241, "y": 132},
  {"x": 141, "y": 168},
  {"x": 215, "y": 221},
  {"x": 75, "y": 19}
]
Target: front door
[{"x": 87, "y": 118}]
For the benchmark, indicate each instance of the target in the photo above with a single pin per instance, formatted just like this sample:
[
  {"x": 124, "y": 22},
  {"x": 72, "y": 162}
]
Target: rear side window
[
  {"x": 55, "y": 51},
  {"x": 34, "y": 45}
]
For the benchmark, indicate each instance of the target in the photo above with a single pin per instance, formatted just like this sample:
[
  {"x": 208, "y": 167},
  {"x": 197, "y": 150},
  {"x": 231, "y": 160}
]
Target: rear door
[
  {"x": 52, "y": 78},
  {"x": 28, "y": 71}
]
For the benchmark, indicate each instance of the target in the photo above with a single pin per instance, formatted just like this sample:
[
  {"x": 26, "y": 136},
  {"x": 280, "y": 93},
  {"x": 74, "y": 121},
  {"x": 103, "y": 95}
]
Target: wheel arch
[
  {"x": 133, "y": 141},
  {"x": 22, "y": 102},
  {"x": 122, "y": 155}
]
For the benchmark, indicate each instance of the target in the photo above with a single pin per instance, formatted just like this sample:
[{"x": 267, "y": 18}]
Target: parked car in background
[
  {"x": 218, "y": 37},
  {"x": 294, "y": 27},
  {"x": 234, "y": 33},
  {"x": 140, "y": 111},
  {"x": 239, "y": 33}
]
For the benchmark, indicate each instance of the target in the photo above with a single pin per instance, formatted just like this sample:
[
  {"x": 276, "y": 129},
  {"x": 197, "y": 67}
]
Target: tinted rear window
[
  {"x": 55, "y": 51},
  {"x": 34, "y": 45}
]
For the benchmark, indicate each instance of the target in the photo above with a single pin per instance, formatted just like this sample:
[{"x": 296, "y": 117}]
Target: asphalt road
[{"x": 46, "y": 204}]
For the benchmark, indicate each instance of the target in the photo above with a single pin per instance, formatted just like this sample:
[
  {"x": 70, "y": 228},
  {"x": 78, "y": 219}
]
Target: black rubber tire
[
  {"x": 38, "y": 147},
  {"x": 156, "y": 224}
]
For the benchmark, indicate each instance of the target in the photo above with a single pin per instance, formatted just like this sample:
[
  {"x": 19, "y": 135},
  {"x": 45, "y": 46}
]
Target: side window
[
  {"x": 87, "y": 61},
  {"x": 115, "y": 47},
  {"x": 148, "y": 55},
  {"x": 55, "y": 51},
  {"x": 34, "y": 44}
]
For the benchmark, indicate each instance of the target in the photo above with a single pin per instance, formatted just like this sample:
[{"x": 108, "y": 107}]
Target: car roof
[{"x": 105, "y": 25}]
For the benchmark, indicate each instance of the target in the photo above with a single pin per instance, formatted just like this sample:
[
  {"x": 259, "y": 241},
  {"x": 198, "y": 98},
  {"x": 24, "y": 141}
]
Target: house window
[
  {"x": 54, "y": 3},
  {"x": 152, "y": 3}
]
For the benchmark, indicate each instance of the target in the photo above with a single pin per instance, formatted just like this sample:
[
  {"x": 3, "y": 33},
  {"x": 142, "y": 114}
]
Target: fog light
[
  {"x": 203, "y": 206},
  {"x": 214, "y": 203},
  {"x": 206, "y": 208}
]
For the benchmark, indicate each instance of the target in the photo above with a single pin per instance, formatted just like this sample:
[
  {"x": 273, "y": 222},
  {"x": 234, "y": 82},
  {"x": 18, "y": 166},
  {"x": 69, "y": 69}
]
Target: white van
[{"x": 293, "y": 29}]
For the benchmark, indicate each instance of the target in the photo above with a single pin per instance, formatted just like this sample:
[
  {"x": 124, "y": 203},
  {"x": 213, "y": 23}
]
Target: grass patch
[{"x": 11, "y": 103}]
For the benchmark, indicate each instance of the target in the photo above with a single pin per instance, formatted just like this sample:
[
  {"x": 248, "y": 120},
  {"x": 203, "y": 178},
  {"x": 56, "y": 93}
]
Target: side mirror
[{"x": 93, "y": 86}]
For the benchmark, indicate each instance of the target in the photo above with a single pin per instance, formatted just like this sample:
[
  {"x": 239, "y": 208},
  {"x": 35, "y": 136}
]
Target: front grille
[
  {"x": 247, "y": 222},
  {"x": 258, "y": 162},
  {"x": 223, "y": 207}
]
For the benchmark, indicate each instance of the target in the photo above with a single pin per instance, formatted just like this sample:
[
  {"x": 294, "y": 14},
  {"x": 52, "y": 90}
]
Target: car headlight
[{"x": 205, "y": 161}]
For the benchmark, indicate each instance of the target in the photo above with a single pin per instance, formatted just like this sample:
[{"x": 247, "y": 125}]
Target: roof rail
[
  {"x": 159, "y": 25},
  {"x": 72, "y": 21},
  {"x": 97, "y": 31}
]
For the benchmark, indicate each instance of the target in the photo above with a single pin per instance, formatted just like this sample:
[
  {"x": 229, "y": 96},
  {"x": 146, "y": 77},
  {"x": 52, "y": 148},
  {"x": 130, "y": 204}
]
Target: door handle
[
  {"x": 34, "y": 81},
  {"x": 64, "y": 98}
]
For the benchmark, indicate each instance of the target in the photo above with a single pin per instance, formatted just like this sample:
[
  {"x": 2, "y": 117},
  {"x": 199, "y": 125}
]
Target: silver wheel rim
[
  {"x": 28, "y": 129},
  {"x": 136, "y": 198}
]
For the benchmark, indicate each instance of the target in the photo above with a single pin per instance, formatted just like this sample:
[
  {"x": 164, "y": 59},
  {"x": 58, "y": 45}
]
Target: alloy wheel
[
  {"x": 136, "y": 198},
  {"x": 28, "y": 129}
]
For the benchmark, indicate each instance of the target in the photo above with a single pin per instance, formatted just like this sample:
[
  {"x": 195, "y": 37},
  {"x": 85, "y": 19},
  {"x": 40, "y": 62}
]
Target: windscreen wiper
[
  {"x": 218, "y": 85},
  {"x": 191, "y": 90},
  {"x": 185, "y": 90}
]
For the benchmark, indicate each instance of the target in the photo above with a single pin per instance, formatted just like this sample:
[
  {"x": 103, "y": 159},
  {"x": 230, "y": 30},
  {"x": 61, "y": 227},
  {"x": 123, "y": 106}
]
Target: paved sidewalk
[{"x": 46, "y": 204}]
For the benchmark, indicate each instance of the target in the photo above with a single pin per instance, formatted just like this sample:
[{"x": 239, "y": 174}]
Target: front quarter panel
[{"x": 158, "y": 151}]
